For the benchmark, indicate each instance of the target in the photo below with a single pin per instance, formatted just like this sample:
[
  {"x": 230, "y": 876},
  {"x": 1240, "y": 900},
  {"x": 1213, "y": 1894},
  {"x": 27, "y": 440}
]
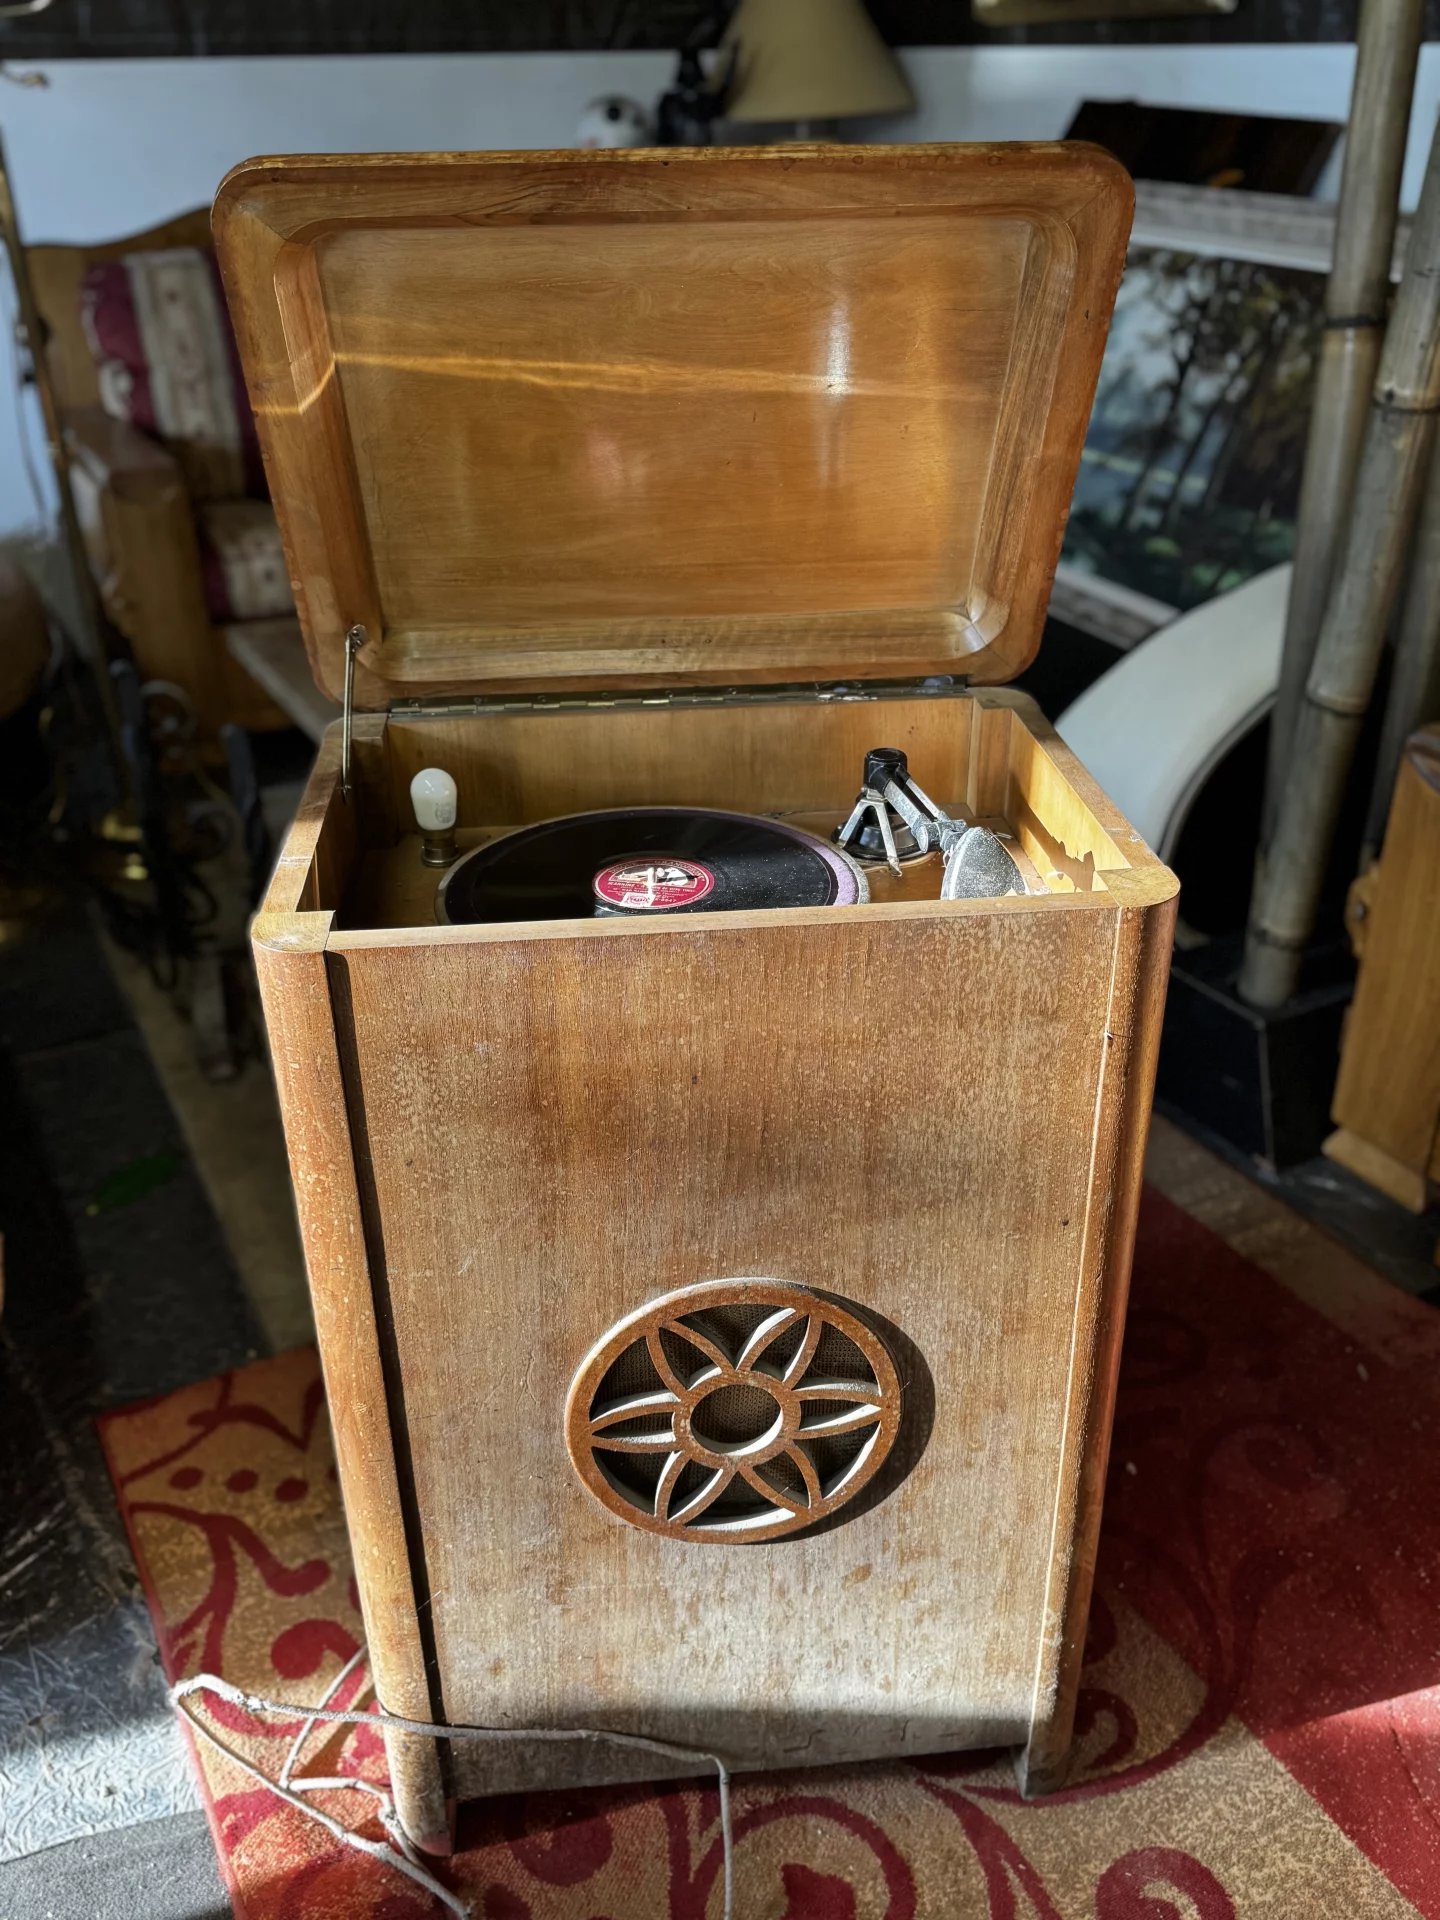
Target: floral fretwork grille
[{"x": 734, "y": 1410}]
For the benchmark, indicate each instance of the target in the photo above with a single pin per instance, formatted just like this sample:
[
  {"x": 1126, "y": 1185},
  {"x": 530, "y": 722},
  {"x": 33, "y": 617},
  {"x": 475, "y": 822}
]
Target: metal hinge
[{"x": 934, "y": 686}]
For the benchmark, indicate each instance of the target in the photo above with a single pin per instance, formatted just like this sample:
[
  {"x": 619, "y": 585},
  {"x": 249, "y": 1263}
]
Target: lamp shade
[{"x": 811, "y": 60}]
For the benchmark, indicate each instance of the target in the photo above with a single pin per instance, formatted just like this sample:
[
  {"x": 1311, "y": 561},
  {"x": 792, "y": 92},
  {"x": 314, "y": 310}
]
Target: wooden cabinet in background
[{"x": 1387, "y": 1098}]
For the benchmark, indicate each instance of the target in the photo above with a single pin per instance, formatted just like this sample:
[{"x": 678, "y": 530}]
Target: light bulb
[{"x": 434, "y": 797}]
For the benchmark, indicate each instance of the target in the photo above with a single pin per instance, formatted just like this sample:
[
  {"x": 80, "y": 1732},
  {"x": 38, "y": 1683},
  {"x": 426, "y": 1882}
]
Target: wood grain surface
[
  {"x": 991, "y": 756},
  {"x": 695, "y": 416},
  {"x": 733, "y": 1410},
  {"x": 1387, "y": 1097},
  {"x": 931, "y": 1111},
  {"x": 560, "y": 1130},
  {"x": 709, "y": 418},
  {"x": 290, "y": 961}
]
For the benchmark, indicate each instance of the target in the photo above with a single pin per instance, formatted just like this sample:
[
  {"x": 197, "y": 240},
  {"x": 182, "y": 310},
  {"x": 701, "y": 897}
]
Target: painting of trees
[{"x": 1191, "y": 471}]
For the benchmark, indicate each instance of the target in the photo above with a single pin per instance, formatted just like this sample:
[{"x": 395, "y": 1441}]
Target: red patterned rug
[{"x": 1259, "y": 1727}]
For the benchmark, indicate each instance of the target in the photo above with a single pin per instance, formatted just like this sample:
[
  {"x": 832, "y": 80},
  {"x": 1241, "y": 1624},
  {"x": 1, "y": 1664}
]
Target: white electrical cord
[{"x": 399, "y": 1852}]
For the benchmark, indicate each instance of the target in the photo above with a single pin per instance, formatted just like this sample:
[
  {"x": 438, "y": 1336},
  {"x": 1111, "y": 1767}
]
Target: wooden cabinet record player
[{"x": 719, "y": 1310}]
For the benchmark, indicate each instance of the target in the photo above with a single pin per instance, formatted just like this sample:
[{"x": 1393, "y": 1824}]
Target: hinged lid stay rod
[{"x": 354, "y": 641}]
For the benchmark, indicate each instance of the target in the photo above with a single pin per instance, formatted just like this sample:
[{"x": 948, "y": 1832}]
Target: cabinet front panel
[{"x": 897, "y": 1115}]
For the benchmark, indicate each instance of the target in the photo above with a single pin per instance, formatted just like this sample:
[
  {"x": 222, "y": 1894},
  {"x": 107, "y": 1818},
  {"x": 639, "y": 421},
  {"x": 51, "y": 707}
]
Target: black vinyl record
[{"x": 645, "y": 860}]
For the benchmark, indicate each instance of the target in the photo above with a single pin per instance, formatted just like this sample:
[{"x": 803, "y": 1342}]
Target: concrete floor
[
  {"x": 159, "y": 1870},
  {"x": 106, "y": 1227}
]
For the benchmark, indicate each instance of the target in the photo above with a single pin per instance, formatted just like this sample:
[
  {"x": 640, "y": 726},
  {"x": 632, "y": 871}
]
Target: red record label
[{"x": 653, "y": 883}]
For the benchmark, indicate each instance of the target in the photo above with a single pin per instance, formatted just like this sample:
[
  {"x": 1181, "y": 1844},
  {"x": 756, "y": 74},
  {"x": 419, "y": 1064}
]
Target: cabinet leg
[
  {"x": 418, "y": 1783},
  {"x": 1036, "y": 1774},
  {"x": 1043, "y": 1763}
]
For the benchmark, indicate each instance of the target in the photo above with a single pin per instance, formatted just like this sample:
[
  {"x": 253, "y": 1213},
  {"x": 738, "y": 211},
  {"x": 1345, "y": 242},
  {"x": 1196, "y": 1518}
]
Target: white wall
[
  {"x": 112, "y": 146},
  {"x": 1029, "y": 93}
]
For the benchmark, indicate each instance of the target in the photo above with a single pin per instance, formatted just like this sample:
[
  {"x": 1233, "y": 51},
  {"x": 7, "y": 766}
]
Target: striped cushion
[
  {"x": 166, "y": 357},
  {"x": 243, "y": 561}
]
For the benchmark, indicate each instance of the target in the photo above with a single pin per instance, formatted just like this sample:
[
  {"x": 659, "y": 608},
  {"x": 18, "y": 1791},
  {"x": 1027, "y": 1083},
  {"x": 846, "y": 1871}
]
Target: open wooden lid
[{"x": 549, "y": 421}]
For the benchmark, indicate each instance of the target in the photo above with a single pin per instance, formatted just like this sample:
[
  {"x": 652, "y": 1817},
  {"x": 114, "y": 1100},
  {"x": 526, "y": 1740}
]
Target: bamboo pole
[
  {"x": 1388, "y": 487},
  {"x": 1356, "y": 296},
  {"x": 1414, "y": 696}
]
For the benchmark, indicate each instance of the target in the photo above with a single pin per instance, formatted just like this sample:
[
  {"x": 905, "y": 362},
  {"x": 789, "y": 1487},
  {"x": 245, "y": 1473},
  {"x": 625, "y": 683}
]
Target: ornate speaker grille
[{"x": 735, "y": 1410}]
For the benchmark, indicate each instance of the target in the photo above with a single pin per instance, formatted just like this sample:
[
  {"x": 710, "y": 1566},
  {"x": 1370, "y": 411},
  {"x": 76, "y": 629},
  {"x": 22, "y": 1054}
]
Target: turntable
[{"x": 717, "y": 1115}]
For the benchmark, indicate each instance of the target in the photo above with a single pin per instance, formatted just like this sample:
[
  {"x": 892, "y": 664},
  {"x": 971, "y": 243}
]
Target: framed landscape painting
[{"x": 1190, "y": 476}]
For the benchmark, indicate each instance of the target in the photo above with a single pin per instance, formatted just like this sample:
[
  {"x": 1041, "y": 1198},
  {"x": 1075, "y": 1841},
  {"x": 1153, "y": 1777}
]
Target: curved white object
[
  {"x": 434, "y": 796},
  {"x": 1155, "y": 727}
]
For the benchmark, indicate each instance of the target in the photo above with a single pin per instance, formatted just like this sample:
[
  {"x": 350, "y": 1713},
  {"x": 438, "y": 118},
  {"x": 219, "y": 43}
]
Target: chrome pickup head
[{"x": 895, "y": 820}]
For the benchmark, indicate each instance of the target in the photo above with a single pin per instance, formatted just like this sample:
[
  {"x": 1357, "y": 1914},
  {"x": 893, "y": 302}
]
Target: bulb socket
[{"x": 437, "y": 847}]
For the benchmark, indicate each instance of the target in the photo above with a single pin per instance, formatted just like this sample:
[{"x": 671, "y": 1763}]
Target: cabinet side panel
[
  {"x": 290, "y": 962},
  {"x": 897, "y": 1112},
  {"x": 1143, "y": 939}
]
